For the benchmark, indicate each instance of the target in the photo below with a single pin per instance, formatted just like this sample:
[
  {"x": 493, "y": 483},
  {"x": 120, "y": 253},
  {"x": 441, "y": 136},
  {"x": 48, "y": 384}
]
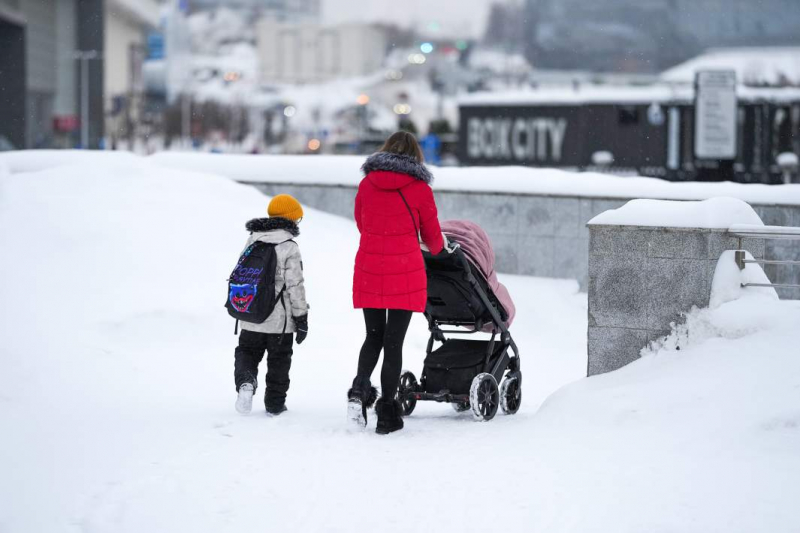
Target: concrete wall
[
  {"x": 532, "y": 235},
  {"x": 643, "y": 279},
  {"x": 541, "y": 235}
]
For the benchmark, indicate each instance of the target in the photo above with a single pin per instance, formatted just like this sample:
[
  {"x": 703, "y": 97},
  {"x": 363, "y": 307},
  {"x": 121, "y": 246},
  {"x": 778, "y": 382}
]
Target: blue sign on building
[
  {"x": 155, "y": 46},
  {"x": 432, "y": 148}
]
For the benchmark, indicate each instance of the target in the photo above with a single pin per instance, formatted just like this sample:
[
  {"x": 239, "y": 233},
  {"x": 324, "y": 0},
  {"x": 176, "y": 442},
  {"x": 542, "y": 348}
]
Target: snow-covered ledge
[{"x": 651, "y": 261}]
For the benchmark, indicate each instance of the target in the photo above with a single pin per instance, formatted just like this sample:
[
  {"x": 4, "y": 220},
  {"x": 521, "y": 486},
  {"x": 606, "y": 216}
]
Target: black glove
[{"x": 301, "y": 325}]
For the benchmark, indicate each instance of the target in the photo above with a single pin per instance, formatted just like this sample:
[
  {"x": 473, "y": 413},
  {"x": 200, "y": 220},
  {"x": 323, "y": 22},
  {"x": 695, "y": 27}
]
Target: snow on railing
[{"x": 764, "y": 232}]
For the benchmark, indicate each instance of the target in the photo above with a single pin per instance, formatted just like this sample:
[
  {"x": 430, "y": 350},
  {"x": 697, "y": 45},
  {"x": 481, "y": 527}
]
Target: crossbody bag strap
[{"x": 413, "y": 220}]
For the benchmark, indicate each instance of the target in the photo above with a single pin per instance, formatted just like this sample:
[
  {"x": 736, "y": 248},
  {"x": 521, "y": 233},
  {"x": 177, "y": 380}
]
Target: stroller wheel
[
  {"x": 484, "y": 397},
  {"x": 511, "y": 394},
  {"x": 460, "y": 407},
  {"x": 408, "y": 383}
]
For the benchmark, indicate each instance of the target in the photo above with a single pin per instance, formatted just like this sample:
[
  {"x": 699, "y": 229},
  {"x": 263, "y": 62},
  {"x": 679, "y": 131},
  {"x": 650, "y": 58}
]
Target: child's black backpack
[{"x": 251, "y": 287}]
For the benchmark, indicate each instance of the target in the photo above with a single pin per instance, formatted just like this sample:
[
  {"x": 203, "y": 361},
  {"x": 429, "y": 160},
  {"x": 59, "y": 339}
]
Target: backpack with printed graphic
[{"x": 251, "y": 287}]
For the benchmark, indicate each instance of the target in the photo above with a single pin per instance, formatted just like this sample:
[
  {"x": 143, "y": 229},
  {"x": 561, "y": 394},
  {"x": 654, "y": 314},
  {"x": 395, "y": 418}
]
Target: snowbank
[
  {"x": 735, "y": 311},
  {"x": 701, "y": 434},
  {"x": 711, "y": 405},
  {"x": 37, "y": 160},
  {"x": 345, "y": 170},
  {"x": 728, "y": 282},
  {"x": 714, "y": 213}
]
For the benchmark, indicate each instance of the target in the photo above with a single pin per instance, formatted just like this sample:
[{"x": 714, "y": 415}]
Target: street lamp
[{"x": 84, "y": 56}]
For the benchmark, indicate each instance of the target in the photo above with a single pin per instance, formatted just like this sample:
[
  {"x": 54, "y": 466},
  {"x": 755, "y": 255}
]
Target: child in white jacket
[{"x": 290, "y": 316}]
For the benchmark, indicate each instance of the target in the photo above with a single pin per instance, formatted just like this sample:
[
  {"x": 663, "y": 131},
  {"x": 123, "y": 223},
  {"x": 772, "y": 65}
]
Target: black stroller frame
[{"x": 460, "y": 297}]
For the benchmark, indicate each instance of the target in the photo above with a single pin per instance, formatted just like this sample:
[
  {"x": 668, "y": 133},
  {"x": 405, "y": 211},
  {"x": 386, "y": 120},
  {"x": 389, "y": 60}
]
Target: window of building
[{"x": 628, "y": 115}]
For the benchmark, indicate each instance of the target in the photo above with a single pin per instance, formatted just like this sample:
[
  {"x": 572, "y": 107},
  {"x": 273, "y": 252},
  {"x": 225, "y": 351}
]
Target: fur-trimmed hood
[
  {"x": 263, "y": 225},
  {"x": 402, "y": 164}
]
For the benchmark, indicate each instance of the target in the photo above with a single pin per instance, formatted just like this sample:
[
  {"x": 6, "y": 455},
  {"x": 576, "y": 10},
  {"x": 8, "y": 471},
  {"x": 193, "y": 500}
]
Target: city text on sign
[{"x": 523, "y": 139}]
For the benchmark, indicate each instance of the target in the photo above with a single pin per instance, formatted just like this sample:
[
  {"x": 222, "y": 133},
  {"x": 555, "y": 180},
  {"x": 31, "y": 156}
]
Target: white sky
[{"x": 457, "y": 18}]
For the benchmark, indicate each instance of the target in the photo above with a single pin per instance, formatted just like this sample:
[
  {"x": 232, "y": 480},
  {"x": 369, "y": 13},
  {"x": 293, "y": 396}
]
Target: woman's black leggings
[{"x": 386, "y": 329}]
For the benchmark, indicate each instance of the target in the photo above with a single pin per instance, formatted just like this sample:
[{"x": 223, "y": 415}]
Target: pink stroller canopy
[{"x": 476, "y": 245}]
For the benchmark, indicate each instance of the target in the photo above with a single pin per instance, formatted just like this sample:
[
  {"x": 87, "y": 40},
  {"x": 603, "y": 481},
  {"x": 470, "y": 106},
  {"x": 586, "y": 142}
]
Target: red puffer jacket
[{"x": 390, "y": 271}]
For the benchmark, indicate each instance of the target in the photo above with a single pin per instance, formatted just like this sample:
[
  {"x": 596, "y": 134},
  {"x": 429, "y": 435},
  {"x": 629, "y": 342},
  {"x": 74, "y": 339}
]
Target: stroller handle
[{"x": 450, "y": 245}]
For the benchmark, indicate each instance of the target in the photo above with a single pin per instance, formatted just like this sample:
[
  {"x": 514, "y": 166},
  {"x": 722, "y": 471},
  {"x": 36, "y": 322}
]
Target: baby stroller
[{"x": 464, "y": 372}]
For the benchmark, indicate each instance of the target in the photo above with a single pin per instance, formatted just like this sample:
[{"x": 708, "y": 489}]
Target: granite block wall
[
  {"x": 642, "y": 279},
  {"x": 542, "y": 235},
  {"x": 532, "y": 235}
]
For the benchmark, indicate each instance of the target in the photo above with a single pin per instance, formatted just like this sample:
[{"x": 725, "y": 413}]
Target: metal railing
[{"x": 743, "y": 231}]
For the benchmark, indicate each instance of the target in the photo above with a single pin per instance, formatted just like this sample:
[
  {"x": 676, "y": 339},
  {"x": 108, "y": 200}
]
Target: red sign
[{"x": 66, "y": 123}]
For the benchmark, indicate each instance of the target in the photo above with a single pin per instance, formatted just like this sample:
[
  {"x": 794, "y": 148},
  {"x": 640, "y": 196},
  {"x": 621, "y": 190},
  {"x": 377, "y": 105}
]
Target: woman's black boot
[
  {"x": 389, "y": 418},
  {"x": 359, "y": 399}
]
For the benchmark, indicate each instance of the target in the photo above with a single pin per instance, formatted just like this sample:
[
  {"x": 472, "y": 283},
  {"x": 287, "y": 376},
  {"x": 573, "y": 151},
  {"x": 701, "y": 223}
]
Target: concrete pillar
[
  {"x": 12, "y": 81},
  {"x": 91, "y": 38},
  {"x": 642, "y": 279}
]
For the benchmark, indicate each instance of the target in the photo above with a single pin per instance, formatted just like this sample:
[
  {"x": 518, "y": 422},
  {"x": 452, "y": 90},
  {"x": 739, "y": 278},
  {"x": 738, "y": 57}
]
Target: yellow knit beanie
[{"x": 285, "y": 206}]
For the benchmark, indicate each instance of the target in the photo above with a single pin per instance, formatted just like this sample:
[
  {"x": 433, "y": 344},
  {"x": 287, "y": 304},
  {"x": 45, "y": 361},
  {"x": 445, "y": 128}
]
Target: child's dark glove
[{"x": 301, "y": 325}]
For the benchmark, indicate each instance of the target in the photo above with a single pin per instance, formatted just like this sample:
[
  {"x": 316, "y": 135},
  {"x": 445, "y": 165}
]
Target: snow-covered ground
[{"x": 116, "y": 393}]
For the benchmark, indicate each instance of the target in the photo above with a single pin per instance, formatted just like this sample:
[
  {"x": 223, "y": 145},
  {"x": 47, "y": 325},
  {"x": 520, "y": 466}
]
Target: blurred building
[
  {"x": 126, "y": 26},
  {"x": 739, "y": 22},
  {"x": 64, "y": 62},
  {"x": 650, "y": 35},
  {"x": 295, "y": 11},
  {"x": 308, "y": 53},
  {"x": 728, "y": 114},
  {"x": 638, "y": 130}
]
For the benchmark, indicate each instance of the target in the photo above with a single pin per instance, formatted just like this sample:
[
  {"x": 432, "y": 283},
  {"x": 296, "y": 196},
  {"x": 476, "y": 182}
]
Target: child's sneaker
[{"x": 244, "y": 402}]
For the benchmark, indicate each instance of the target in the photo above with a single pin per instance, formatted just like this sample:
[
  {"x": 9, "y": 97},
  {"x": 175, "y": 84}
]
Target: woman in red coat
[{"x": 394, "y": 210}]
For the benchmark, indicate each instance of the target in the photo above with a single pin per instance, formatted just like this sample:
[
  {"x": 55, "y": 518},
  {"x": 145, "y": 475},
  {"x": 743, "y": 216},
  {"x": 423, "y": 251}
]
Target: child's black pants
[{"x": 249, "y": 354}]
